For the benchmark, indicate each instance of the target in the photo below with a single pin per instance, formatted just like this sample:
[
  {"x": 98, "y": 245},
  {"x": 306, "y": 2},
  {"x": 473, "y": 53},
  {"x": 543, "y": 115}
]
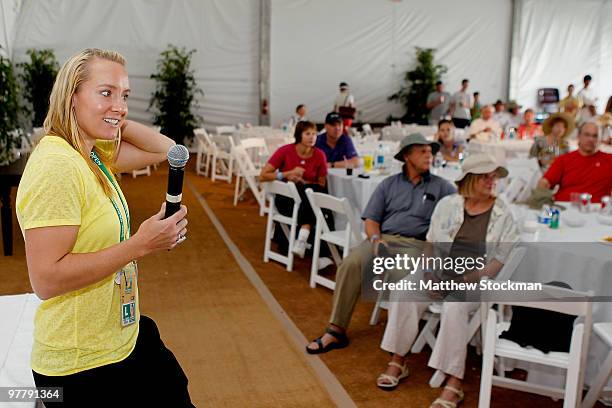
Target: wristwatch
[{"x": 374, "y": 237}]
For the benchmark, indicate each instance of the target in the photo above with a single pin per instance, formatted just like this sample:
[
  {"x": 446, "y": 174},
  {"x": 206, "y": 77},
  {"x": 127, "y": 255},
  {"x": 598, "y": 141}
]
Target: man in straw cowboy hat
[
  {"x": 557, "y": 127},
  {"x": 586, "y": 170},
  {"x": 398, "y": 213}
]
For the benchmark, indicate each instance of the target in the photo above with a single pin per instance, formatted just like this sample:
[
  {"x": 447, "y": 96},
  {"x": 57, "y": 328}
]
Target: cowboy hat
[
  {"x": 567, "y": 118},
  {"x": 481, "y": 164}
]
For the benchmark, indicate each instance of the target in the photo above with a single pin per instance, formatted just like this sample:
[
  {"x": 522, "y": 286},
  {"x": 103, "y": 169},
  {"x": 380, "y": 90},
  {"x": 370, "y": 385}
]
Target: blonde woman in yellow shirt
[{"x": 89, "y": 336}]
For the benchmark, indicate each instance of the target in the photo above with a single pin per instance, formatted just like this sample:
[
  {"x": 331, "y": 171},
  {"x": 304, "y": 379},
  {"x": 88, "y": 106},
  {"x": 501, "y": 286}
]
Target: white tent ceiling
[{"x": 315, "y": 44}]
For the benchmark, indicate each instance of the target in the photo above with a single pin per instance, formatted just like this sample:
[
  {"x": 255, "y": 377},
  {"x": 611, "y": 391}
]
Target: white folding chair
[
  {"x": 205, "y": 150},
  {"x": 428, "y": 334},
  {"x": 288, "y": 189},
  {"x": 158, "y": 130},
  {"x": 146, "y": 171},
  {"x": 247, "y": 173},
  {"x": 604, "y": 331},
  {"x": 257, "y": 149},
  {"x": 222, "y": 153},
  {"x": 346, "y": 238},
  {"x": 558, "y": 300}
]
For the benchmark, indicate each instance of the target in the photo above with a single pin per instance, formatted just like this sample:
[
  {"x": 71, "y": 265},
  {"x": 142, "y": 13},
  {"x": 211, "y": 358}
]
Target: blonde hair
[
  {"x": 467, "y": 186},
  {"x": 61, "y": 118}
]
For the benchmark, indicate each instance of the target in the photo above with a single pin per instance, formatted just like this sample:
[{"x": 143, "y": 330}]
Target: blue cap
[{"x": 332, "y": 118}]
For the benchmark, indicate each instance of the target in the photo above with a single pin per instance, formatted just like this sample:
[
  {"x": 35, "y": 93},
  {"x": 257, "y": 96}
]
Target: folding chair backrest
[
  {"x": 367, "y": 129},
  {"x": 556, "y": 299},
  {"x": 245, "y": 164},
  {"x": 221, "y": 130},
  {"x": 285, "y": 189},
  {"x": 321, "y": 201},
  {"x": 514, "y": 259},
  {"x": 254, "y": 142}
]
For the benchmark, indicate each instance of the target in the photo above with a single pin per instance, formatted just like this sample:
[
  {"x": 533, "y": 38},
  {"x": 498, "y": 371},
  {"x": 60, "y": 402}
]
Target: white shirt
[
  {"x": 463, "y": 103},
  {"x": 344, "y": 99},
  {"x": 503, "y": 118},
  {"x": 587, "y": 96},
  {"x": 478, "y": 126}
]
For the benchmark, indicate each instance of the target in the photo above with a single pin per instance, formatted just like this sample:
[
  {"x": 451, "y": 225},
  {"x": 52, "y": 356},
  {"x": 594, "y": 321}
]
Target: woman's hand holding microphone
[{"x": 157, "y": 233}]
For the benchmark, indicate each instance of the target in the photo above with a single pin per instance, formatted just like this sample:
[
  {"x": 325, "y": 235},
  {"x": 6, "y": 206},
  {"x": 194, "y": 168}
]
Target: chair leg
[
  {"x": 599, "y": 383},
  {"x": 314, "y": 268},
  {"x": 488, "y": 356},
  {"x": 236, "y": 190},
  {"x": 214, "y": 167},
  {"x": 426, "y": 336},
  {"x": 376, "y": 312},
  {"x": 437, "y": 379}
]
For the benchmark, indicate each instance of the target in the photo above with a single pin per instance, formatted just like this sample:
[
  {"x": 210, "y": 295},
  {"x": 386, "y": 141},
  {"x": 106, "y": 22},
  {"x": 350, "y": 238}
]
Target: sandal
[
  {"x": 342, "y": 342},
  {"x": 447, "y": 403},
  {"x": 389, "y": 382}
]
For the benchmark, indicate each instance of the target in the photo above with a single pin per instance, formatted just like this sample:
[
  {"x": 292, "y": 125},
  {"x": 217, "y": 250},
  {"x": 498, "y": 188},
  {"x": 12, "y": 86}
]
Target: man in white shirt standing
[
  {"x": 485, "y": 128},
  {"x": 438, "y": 102},
  {"x": 461, "y": 103},
  {"x": 345, "y": 105},
  {"x": 588, "y": 99}
]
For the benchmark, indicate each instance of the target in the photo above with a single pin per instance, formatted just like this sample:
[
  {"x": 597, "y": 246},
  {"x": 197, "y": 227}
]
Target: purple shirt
[{"x": 344, "y": 148}]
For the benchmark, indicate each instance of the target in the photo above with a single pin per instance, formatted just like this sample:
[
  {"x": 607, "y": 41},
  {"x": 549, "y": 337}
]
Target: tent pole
[
  {"x": 264, "y": 62},
  {"x": 515, "y": 57}
]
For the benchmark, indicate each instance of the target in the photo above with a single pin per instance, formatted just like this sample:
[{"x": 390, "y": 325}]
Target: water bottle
[
  {"x": 512, "y": 133},
  {"x": 438, "y": 160},
  {"x": 380, "y": 157}
]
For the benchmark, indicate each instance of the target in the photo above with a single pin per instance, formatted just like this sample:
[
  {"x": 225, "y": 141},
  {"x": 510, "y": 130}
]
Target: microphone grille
[{"x": 178, "y": 156}]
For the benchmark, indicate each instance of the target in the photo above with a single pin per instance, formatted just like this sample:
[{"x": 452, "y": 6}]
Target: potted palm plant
[
  {"x": 419, "y": 82},
  {"x": 9, "y": 107},
  {"x": 37, "y": 77},
  {"x": 175, "y": 98}
]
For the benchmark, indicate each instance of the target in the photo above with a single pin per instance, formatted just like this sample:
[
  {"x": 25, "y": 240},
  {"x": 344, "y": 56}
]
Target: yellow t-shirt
[{"x": 82, "y": 329}]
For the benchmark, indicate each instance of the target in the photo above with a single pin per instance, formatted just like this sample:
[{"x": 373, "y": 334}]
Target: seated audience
[
  {"x": 300, "y": 115},
  {"x": 514, "y": 115},
  {"x": 605, "y": 121},
  {"x": 477, "y": 224},
  {"x": 586, "y": 170},
  {"x": 557, "y": 127},
  {"x": 485, "y": 128},
  {"x": 500, "y": 115},
  {"x": 303, "y": 164},
  {"x": 399, "y": 213},
  {"x": 570, "y": 104},
  {"x": 529, "y": 129},
  {"x": 449, "y": 148},
  {"x": 337, "y": 146}
]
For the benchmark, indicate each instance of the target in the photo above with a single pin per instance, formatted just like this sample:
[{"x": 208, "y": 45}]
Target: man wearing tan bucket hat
[
  {"x": 557, "y": 127},
  {"x": 398, "y": 213},
  {"x": 478, "y": 224}
]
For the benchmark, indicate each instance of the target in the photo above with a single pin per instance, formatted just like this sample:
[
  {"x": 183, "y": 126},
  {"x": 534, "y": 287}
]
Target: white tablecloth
[{"x": 16, "y": 338}]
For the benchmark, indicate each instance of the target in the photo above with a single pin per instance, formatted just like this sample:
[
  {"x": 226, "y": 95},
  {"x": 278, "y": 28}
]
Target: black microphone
[{"x": 177, "y": 158}]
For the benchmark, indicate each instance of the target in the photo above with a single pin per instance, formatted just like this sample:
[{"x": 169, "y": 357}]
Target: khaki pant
[
  {"x": 349, "y": 274},
  {"x": 450, "y": 350}
]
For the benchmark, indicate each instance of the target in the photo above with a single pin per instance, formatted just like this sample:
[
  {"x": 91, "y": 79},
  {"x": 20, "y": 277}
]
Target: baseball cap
[{"x": 332, "y": 118}]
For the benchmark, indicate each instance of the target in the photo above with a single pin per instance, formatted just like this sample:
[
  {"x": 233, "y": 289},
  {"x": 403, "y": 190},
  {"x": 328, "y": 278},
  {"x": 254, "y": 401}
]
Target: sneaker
[
  {"x": 323, "y": 263},
  {"x": 299, "y": 248}
]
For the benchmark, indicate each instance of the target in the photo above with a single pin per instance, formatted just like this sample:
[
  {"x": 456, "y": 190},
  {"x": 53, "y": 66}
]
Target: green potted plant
[
  {"x": 175, "y": 96},
  {"x": 10, "y": 136},
  {"x": 418, "y": 84},
  {"x": 37, "y": 77}
]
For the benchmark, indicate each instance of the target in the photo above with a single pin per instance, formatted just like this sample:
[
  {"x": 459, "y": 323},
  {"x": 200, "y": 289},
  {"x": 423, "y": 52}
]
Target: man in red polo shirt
[{"x": 586, "y": 170}]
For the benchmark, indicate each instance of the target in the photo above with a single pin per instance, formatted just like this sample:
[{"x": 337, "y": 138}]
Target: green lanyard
[{"x": 122, "y": 237}]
